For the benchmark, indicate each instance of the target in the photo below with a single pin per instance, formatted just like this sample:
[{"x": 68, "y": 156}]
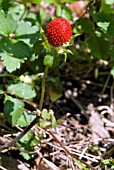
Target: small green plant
[
  {"x": 16, "y": 48},
  {"x": 33, "y": 46},
  {"x": 107, "y": 162}
]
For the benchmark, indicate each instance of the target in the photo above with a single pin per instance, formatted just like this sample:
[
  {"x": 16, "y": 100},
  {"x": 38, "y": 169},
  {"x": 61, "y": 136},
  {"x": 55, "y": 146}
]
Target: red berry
[{"x": 58, "y": 32}]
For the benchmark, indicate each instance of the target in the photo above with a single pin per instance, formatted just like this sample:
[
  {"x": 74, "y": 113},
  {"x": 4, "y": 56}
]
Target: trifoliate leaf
[
  {"x": 22, "y": 90},
  {"x": 13, "y": 108},
  {"x": 7, "y": 24},
  {"x": 13, "y": 53}
]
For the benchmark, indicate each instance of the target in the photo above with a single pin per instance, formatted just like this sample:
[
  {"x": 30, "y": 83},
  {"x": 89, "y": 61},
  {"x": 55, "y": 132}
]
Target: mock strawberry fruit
[{"x": 58, "y": 32}]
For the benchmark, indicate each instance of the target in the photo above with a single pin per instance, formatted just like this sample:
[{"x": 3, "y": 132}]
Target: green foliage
[
  {"x": 100, "y": 44},
  {"x": 15, "y": 45},
  {"x": 86, "y": 25},
  {"x": 13, "y": 53},
  {"x": 80, "y": 164},
  {"x": 48, "y": 60},
  {"x": 17, "y": 10},
  {"x": 25, "y": 51},
  {"x": 27, "y": 142},
  {"x": 48, "y": 120},
  {"x": 63, "y": 11},
  {"x": 24, "y": 119},
  {"x": 7, "y": 24},
  {"x": 22, "y": 90},
  {"x": 109, "y": 2},
  {"x": 13, "y": 109},
  {"x": 107, "y": 162}
]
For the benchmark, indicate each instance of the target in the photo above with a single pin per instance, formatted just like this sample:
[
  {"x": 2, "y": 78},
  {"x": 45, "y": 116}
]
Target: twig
[
  {"x": 68, "y": 152},
  {"x": 16, "y": 139},
  {"x": 105, "y": 85}
]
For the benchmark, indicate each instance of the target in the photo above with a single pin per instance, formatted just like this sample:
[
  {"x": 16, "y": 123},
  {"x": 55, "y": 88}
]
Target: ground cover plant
[{"x": 56, "y": 84}]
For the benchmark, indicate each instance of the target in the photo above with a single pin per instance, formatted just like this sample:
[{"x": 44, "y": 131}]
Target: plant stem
[{"x": 43, "y": 88}]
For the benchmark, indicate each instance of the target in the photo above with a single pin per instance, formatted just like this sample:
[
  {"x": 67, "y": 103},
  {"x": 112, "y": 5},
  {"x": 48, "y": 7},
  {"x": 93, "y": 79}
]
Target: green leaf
[
  {"x": 49, "y": 1},
  {"x": 48, "y": 60},
  {"x": 106, "y": 7},
  {"x": 29, "y": 135},
  {"x": 102, "y": 17},
  {"x": 11, "y": 63},
  {"x": 25, "y": 28},
  {"x": 13, "y": 109},
  {"x": 37, "y": 2},
  {"x": 45, "y": 114},
  {"x": 17, "y": 10},
  {"x": 80, "y": 164},
  {"x": 26, "y": 32},
  {"x": 112, "y": 53},
  {"x": 112, "y": 71},
  {"x": 53, "y": 120},
  {"x": 5, "y": 4},
  {"x": 54, "y": 94},
  {"x": 109, "y": 2},
  {"x": 99, "y": 46},
  {"x": 63, "y": 1},
  {"x": 27, "y": 142},
  {"x": 38, "y": 47},
  {"x": 86, "y": 25},
  {"x": 25, "y": 119},
  {"x": 48, "y": 120},
  {"x": 64, "y": 12},
  {"x": 103, "y": 25},
  {"x": 26, "y": 156},
  {"x": 22, "y": 90},
  {"x": 7, "y": 24},
  {"x": 13, "y": 53},
  {"x": 110, "y": 30},
  {"x": 42, "y": 14}
]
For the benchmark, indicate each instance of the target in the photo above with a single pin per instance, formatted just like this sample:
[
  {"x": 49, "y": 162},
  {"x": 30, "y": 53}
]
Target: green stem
[
  {"x": 8, "y": 75},
  {"x": 43, "y": 87}
]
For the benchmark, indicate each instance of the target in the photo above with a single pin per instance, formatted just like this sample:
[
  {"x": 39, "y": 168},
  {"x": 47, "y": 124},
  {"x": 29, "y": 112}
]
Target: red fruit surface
[{"x": 58, "y": 32}]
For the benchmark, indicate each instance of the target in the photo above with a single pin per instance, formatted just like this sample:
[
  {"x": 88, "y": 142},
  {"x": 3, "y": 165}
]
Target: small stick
[
  {"x": 68, "y": 152},
  {"x": 17, "y": 138}
]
